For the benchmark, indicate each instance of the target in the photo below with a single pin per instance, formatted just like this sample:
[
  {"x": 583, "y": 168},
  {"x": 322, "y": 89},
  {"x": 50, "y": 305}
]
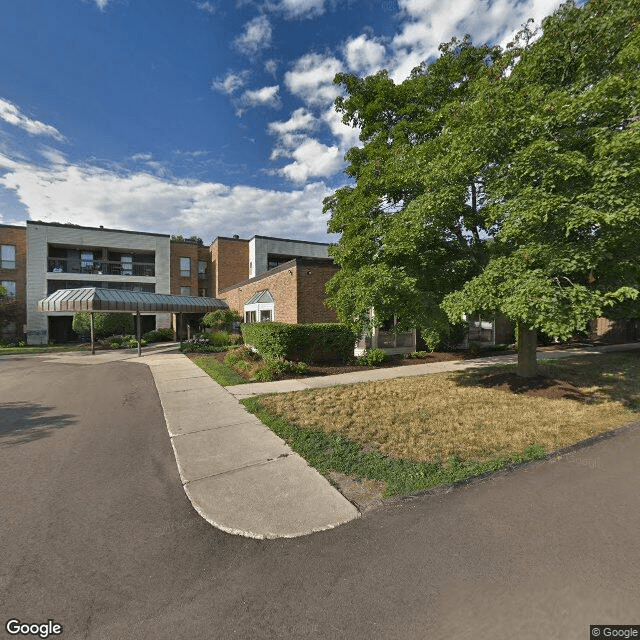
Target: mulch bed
[{"x": 509, "y": 382}]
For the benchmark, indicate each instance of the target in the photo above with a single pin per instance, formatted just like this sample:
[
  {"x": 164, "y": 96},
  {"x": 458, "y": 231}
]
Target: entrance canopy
[{"x": 117, "y": 301}]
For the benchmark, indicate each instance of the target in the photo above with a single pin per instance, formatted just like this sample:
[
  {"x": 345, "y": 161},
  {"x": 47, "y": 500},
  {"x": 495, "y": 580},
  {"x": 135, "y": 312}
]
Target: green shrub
[
  {"x": 221, "y": 319},
  {"x": 201, "y": 345},
  {"x": 104, "y": 324},
  {"x": 418, "y": 354},
  {"x": 321, "y": 342},
  {"x": 278, "y": 366},
  {"x": 159, "y": 335},
  {"x": 373, "y": 357},
  {"x": 474, "y": 348},
  {"x": 220, "y": 339}
]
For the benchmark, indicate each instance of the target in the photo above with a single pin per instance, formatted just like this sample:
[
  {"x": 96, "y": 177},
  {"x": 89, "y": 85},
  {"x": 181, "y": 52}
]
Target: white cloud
[
  {"x": 207, "y": 7},
  {"x": 364, "y": 56},
  {"x": 102, "y": 4},
  {"x": 310, "y": 158},
  {"x": 347, "y": 136},
  {"x": 12, "y": 114},
  {"x": 256, "y": 36},
  {"x": 91, "y": 196},
  {"x": 296, "y": 9},
  {"x": 264, "y": 97},
  {"x": 300, "y": 120},
  {"x": 427, "y": 23},
  {"x": 271, "y": 66},
  {"x": 311, "y": 78},
  {"x": 231, "y": 82}
]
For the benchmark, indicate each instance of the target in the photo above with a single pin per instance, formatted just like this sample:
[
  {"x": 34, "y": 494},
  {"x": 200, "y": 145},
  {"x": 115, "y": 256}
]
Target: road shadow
[
  {"x": 592, "y": 379},
  {"x": 22, "y": 422}
]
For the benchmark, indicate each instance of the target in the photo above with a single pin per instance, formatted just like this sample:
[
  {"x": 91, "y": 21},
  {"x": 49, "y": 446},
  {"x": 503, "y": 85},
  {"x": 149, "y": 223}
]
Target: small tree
[
  {"x": 104, "y": 324},
  {"x": 221, "y": 319},
  {"x": 11, "y": 309}
]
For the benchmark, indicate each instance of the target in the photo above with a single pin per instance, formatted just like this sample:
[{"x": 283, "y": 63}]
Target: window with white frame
[
  {"x": 10, "y": 286},
  {"x": 185, "y": 267},
  {"x": 7, "y": 256},
  {"x": 260, "y": 307}
]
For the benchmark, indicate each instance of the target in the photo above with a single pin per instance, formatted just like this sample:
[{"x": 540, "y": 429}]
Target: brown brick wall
[
  {"x": 204, "y": 253},
  {"x": 281, "y": 285},
  {"x": 312, "y": 294},
  {"x": 17, "y": 236},
  {"x": 230, "y": 257},
  {"x": 184, "y": 250}
]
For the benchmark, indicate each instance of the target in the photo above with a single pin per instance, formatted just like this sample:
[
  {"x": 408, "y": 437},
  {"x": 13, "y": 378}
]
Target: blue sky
[{"x": 207, "y": 117}]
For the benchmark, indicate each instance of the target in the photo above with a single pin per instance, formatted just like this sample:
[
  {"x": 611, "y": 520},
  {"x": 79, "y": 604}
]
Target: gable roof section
[
  {"x": 117, "y": 301},
  {"x": 261, "y": 296}
]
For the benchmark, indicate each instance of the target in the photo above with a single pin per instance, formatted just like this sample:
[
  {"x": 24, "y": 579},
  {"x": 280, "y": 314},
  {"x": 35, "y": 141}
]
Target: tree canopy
[{"x": 498, "y": 181}]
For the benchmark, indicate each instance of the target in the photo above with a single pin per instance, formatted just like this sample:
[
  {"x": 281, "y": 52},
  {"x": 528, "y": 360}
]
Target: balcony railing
[{"x": 101, "y": 267}]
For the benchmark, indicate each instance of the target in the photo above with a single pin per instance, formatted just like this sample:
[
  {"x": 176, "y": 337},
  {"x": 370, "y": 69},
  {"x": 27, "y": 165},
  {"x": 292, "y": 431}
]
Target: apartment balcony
[{"x": 101, "y": 267}]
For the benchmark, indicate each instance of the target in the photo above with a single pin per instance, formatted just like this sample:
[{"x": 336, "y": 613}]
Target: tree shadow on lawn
[
  {"x": 22, "y": 422},
  {"x": 588, "y": 379}
]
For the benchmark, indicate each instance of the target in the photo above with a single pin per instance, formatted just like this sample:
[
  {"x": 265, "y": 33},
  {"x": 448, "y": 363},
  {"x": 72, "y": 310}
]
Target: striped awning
[{"x": 117, "y": 301}]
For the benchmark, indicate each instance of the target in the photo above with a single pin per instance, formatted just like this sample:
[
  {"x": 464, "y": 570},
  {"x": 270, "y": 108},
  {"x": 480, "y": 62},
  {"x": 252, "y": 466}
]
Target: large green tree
[
  {"x": 514, "y": 190},
  {"x": 410, "y": 229},
  {"x": 564, "y": 194}
]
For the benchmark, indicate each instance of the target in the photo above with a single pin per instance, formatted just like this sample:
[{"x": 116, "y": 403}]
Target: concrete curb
[{"x": 239, "y": 476}]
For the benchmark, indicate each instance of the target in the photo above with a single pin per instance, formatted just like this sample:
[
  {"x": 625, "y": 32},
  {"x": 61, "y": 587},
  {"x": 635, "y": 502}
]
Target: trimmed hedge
[{"x": 319, "y": 342}]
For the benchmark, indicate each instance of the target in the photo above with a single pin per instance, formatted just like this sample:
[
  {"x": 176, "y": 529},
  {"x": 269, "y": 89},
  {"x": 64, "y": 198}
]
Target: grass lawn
[
  {"x": 413, "y": 433},
  {"x": 43, "y": 349},
  {"x": 222, "y": 374}
]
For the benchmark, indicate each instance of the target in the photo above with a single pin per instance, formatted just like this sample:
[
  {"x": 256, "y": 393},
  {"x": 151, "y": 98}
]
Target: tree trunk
[{"x": 527, "y": 343}]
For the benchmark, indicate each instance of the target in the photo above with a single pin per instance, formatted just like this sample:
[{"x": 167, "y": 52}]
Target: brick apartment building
[
  {"x": 43, "y": 257},
  {"x": 13, "y": 271},
  {"x": 262, "y": 278}
]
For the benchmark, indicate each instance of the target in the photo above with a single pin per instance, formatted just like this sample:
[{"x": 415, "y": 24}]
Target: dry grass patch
[{"x": 431, "y": 418}]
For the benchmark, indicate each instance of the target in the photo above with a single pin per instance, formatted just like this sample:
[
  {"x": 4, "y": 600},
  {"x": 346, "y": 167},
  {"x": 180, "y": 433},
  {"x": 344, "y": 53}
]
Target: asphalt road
[{"x": 98, "y": 535}]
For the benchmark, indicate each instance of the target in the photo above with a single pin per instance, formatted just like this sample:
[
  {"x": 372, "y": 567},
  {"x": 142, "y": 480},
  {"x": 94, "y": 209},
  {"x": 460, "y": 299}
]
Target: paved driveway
[{"x": 98, "y": 535}]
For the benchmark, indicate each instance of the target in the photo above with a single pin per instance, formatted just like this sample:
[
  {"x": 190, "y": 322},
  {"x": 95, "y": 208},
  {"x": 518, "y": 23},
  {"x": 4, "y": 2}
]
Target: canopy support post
[
  {"x": 138, "y": 332},
  {"x": 180, "y": 328},
  {"x": 93, "y": 345}
]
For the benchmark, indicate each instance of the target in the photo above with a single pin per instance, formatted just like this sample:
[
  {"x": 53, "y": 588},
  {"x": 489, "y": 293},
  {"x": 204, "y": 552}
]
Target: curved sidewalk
[{"x": 237, "y": 473}]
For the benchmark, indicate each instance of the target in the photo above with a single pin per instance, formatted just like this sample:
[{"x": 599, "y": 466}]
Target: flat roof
[
  {"x": 78, "y": 226},
  {"x": 299, "y": 261},
  {"x": 323, "y": 244},
  {"x": 118, "y": 301}
]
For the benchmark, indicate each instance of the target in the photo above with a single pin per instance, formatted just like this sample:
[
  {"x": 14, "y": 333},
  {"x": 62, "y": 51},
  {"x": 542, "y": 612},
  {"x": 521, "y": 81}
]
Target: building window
[
  {"x": 86, "y": 260},
  {"x": 7, "y": 256},
  {"x": 185, "y": 291},
  {"x": 185, "y": 267},
  {"x": 126, "y": 264},
  {"x": 260, "y": 307},
  {"x": 202, "y": 268},
  {"x": 10, "y": 286},
  {"x": 202, "y": 293}
]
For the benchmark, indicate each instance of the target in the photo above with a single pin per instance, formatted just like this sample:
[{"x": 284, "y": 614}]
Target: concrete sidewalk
[
  {"x": 237, "y": 473},
  {"x": 251, "y": 389}
]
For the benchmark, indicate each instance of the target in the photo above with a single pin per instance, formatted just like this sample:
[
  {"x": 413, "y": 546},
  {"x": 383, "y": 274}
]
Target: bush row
[{"x": 326, "y": 342}]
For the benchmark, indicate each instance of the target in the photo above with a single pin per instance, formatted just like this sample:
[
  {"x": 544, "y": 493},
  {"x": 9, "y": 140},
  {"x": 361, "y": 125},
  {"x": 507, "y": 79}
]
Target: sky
[{"x": 203, "y": 117}]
